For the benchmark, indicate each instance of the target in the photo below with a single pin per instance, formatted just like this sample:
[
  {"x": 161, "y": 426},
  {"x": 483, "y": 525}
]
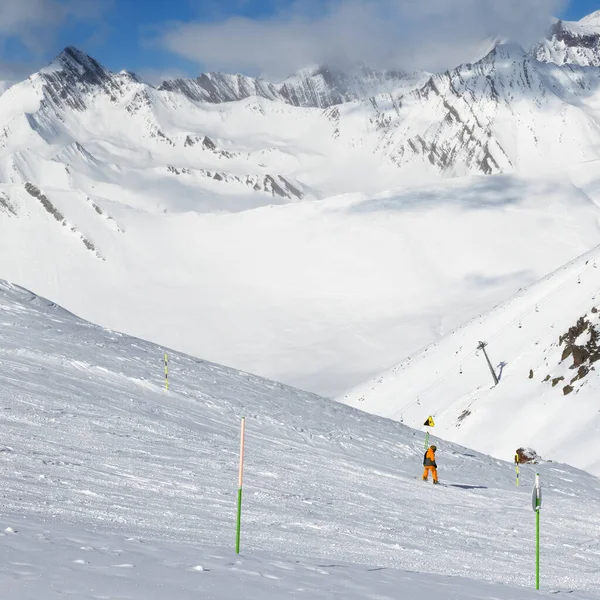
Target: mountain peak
[
  {"x": 71, "y": 75},
  {"x": 572, "y": 42},
  {"x": 74, "y": 60}
]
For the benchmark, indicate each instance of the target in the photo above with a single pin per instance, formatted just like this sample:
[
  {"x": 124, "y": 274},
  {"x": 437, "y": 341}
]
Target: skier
[{"x": 430, "y": 464}]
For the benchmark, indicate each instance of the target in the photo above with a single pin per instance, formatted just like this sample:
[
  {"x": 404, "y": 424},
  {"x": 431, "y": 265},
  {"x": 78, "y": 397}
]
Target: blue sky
[{"x": 159, "y": 38}]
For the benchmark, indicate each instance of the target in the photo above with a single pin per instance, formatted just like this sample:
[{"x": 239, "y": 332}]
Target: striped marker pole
[
  {"x": 239, "y": 504},
  {"x": 517, "y": 467},
  {"x": 166, "y": 372}
]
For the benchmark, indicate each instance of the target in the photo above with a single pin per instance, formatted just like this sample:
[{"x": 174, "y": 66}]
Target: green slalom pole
[
  {"x": 537, "y": 552},
  {"x": 239, "y": 498},
  {"x": 427, "y": 440},
  {"x": 239, "y": 521},
  {"x": 536, "y": 501}
]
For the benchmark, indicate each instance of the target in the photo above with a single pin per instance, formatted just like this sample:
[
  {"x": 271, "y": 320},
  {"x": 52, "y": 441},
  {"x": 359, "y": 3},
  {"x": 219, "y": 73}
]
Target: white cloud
[
  {"x": 416, "y": 34},
  {"x": 36, "y": 22}
]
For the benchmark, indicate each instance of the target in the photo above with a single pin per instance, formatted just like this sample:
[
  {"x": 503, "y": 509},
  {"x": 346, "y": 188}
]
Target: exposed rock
[
  {"x": 463, "y": 415},
  {"x": 589, "y": 352},
  {"x": 528, "y": 455},
  {"x": 582, "y": 347},
  {"x": 566, "y": 44},
  {"x": 581, "y": 373},
  {"x": 6, "y": 205},
  {"x": 319, "y": 87},
  {"x": 34, "y": 191}
]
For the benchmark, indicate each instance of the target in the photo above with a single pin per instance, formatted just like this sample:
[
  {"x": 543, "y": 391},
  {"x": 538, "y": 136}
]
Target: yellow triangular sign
[{"x": 429, "y": 422}]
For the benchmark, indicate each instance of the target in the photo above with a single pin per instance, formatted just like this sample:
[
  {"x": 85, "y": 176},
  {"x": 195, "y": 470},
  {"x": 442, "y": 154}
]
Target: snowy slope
[
  {"x": 278, "y": 236},
  {"x": 572, "y": 42},
  {"x": 321, "y": 295},
  {"x": 506, "y": 113},
  {"x": 89, "y": 565},
  {"x": 85, "y": 564},
  {"x": 543, "y": 341},
  {"x": 111, "y": 482}
]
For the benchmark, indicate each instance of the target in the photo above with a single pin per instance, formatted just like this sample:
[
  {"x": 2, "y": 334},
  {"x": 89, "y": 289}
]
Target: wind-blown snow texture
[
  {"x": 113, "y": 487},
  {"x": 252, "y": 223}
]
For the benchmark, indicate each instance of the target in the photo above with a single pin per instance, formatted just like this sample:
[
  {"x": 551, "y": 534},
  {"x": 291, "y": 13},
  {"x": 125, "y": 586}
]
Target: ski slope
[
  {"x": 71, "y": 562},
  {"x": 536, "y": 354},
  {"x": 101, "y": 465}
]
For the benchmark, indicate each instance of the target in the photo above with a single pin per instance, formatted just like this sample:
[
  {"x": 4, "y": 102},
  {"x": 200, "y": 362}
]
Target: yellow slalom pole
[
  {"x": 166, "y": 372},
  {"x": 241, "y": 476}
]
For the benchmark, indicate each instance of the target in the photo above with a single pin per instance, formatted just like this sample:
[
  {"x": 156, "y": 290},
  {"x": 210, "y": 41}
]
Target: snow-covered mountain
[
  {"x": 113, "y": 487},
  {"x": 572, "y": 42},
  {"x": 314, "y": 87},
  {"x": 234, "y": 142},
  {"x": 543, "y": 345},
  {"x": 272, "y": 226}
]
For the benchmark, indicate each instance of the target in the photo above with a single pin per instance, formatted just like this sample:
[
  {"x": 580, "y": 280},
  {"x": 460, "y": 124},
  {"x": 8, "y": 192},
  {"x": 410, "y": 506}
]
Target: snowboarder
[{"x": 430, "y": 464}]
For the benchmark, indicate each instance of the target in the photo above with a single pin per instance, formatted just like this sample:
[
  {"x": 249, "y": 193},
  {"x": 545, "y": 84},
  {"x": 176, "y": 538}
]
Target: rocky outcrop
[
  {"x": 319, "y": 87},
  {"x": 580, "y": 351},
  {"x": 276, "y": 185},
  {"x": 35, "y": 192},
  {"x": 571, "y": 43}
]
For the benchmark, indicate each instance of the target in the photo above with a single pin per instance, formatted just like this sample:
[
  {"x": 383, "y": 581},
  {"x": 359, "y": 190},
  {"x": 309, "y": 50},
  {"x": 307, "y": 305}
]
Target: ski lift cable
[{"x": 502, "y": 330}]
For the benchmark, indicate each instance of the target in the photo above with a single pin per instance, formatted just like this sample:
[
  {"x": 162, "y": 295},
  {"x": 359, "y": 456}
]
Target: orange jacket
[{"x": 429, "y": 459}]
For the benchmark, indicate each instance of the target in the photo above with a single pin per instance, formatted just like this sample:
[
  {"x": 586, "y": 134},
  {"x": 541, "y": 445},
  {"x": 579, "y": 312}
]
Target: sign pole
[
  {"x": 428, "y": 423},
  {"x": 536, "y": 501},
  {"x": 239, "y": 499}
]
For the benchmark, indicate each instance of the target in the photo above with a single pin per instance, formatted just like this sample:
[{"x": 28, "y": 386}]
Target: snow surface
[
  {"x": 49, "y": 562},
  {"x": 451, "y": 381},
  {"x": 297, "y": 242},
  {"x": 115, "y": 488},
  {"x": 590, "y": 23},
  {"x": 321, "y": 295},
  {"x": 572, "y": 42}
]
